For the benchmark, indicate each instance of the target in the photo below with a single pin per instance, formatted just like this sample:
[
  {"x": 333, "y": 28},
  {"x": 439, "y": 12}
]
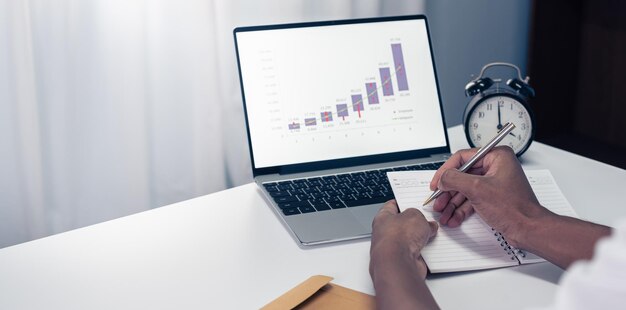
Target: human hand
[
  {"x": 495, "y": 187},
  {"x": 396, "y": 266},
  {"x": 398, "y": 238}
]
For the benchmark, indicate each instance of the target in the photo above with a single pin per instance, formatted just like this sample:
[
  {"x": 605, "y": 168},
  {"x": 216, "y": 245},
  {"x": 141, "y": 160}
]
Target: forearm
[
  {"x": 561, "y": 239},
  {"x": 403, "y": 293},
  {"x": 399, "y": 283}
]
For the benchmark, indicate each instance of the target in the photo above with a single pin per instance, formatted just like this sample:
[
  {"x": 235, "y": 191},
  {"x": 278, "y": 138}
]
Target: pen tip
[{"x": 432, "y": 197}]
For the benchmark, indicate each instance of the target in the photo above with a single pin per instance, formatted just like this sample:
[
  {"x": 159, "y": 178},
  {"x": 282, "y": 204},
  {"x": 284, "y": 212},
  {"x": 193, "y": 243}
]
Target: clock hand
[
  {"x": 512, "y": 134},
  {"x": 499, "y": 117}
]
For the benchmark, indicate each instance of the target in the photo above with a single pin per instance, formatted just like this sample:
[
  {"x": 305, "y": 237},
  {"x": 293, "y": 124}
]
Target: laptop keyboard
[{"x": 337, "y": 191}]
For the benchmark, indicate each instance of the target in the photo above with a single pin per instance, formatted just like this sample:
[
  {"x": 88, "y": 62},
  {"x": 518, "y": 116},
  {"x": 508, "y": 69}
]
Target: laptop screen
[{"x": 321, "y": 92}]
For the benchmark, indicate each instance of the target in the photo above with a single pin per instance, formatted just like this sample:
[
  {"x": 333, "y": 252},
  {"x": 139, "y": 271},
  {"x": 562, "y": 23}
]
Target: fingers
[
  {"x": 434, "y": 226},
  {"x": 460, "y": 214},
  {"x": 447, "y": 213},
  {"x": 442, "y": 201},
  {"x": 448, "y": 210},
  {"x": 454, "y": 162},
  {"x": 389, "y": 208},
  {"x": 459, "y": 158},
  {"x": 454, "y": 180}
]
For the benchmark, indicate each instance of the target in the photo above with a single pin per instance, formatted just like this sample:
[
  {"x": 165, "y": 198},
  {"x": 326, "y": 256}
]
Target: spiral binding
[{"x": 513, "y": 252}]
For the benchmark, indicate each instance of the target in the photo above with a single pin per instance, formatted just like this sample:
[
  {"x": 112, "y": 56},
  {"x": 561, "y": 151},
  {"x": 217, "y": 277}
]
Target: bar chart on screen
[
  {"x": 369, "y": 103},
  {"x": 340, "y": 91}
]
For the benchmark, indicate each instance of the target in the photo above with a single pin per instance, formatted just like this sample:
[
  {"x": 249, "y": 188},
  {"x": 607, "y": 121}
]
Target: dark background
[{"x": 577, "y": 65}]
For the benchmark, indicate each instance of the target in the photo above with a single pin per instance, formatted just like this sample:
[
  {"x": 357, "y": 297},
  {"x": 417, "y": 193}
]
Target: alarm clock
[{"x": 492, "y": 105}]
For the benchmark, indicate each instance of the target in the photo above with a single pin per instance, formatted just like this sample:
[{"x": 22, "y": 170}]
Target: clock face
[{"x": 491, "y": 114}]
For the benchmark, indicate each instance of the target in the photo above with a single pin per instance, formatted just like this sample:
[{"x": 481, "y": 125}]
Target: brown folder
[{"x": 318, "y": 293}]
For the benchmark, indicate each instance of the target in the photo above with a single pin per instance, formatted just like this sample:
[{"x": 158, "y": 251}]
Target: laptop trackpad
[
  {"x": 365, "y": 214},
  {"x": 326, "y": 226}
]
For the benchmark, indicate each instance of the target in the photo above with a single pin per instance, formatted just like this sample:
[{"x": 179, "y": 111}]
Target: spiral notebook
[{"x": 473, "y": 245}]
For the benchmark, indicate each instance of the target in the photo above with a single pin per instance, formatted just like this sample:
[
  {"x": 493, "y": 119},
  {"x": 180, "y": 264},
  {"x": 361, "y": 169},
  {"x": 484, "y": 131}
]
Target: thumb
[
  {"x": 434, "y": 226},
  {"x": 454, "y": 180},
  {"x": 389, "y": 208}
]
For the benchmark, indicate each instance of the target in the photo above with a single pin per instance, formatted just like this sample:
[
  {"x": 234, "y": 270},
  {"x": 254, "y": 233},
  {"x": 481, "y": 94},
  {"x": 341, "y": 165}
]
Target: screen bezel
[{"x": 351, "y": 161}]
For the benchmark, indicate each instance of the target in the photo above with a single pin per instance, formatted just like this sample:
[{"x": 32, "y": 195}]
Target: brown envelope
[{"x": 318, "y": 293}]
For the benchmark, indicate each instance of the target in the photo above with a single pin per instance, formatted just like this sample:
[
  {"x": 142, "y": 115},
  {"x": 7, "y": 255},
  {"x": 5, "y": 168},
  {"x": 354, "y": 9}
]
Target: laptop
[{"x": 330, "y": 108}]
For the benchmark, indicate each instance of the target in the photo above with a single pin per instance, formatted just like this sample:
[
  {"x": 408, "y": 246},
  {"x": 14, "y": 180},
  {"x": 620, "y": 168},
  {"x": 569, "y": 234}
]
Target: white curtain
[{"x": 111, "y": 107}]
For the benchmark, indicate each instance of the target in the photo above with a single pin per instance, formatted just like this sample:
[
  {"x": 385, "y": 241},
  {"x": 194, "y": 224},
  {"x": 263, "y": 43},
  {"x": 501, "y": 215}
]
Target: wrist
[
  {"x": 532, "y": 225},
  {"x": 392, "y": 258},
  {"x": 399, "y": 279}
]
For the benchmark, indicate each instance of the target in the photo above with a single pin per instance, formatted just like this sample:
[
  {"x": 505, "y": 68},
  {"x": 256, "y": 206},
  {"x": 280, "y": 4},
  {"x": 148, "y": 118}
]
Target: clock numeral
[
  {"x": 489, "y": 106},
  {"x": 475, "y": 125},
  {"x": 520, "y": 114},
  {"x": 523, "y": 126},
  {"x": 481, "y": 114},
  {"x": 501, "y": 103},
  {"x": 511, "y": 106},
  {"x": 479, "y": 137}
]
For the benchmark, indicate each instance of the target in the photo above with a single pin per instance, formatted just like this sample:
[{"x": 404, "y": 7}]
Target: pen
[{"x": 480, "y": 154}]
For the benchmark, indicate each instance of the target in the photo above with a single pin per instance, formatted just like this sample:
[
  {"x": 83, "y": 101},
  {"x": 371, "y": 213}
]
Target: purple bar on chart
[
  {"x": 398, "y": 61},
  {"x": 342, "y": 110},
  {"x": 294, "y": 125},
  {"x": 357, "y": 103},
  {"x": 372, "y": 93},
  {"x": 385, "y": 77},
  {"x": 327, "y": 116},
  {"x": 310, "y": 121}
]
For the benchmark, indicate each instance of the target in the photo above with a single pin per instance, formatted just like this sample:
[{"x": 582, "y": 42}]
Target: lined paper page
[
  {"x": 471, "y": 246},
  {"x": 548, "y": 192},
  {"x": 549, "y": 196}
]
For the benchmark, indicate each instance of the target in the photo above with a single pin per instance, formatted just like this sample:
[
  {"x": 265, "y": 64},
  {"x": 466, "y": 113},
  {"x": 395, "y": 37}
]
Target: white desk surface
[{"x": 228, "y": 250}]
